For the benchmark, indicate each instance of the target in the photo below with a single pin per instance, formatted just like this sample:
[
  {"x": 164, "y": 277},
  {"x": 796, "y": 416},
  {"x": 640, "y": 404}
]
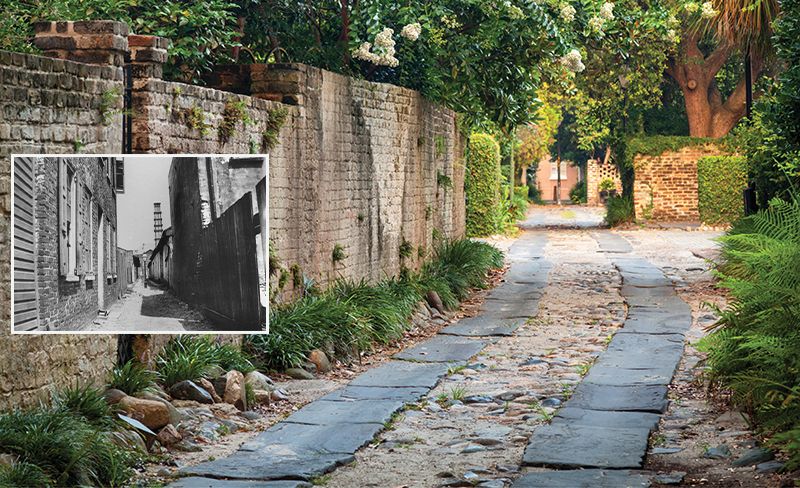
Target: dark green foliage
[
  {"x": 86, "y": 402},
  {"x": 755, "y": 350},
  {"x": 191, "y": 358},
  {"x": 350, "y": 316},
  {"x": 534, "y": 193},
  {"x": 720, "y": 181},
  {"x": 269, "y": 138},
  {"x": 405, "y": 250},
  {"x": 619, "y": 210},
  {"x": 338, "y": 253},
  {"x": 202, "y": 32},
  {"x": 23, "y": 475},
  {"x": 772, "y": 141},
  {"x": 482, "y": 185},
  {"x": 578, "y": 192},
  {"x": 657, "y": 145},
  {"x": 66, "y": 449},
  {"x": 234, "y": 112},
  {"x": 132, "y": 378}
]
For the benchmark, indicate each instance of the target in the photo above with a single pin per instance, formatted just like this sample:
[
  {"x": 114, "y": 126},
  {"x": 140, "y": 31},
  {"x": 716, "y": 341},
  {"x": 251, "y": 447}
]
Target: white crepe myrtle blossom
[
  {"x": 691, "y": 7},
  {"x": 384, "y": 52},
  {"x": 567, "y": 13},
  {"x": 707, "y": 11},
  {"x": 596, "y": 24},
  {"x": 411, "y": 31},
  {"x": 573, "y": 61},
  {"x": 607, "y": 11}
]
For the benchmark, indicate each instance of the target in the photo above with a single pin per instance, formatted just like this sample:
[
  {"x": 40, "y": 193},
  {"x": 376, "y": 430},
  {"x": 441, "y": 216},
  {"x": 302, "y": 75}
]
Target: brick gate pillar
[{"x": 94, "y": 42}]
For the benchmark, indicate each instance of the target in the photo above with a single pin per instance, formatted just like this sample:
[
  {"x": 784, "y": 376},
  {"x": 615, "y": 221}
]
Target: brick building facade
[{"x": 74, "y": 246}]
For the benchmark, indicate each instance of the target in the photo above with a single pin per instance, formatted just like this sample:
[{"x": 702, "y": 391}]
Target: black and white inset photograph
[{"x": 139, "y": 244}]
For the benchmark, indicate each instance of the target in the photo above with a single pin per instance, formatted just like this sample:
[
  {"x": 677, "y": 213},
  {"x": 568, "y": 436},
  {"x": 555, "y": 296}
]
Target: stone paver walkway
[
  {"x": 326, "y": 433},
  {"x": 597, "y": 438},
  {"x": 605, "y": 425}
]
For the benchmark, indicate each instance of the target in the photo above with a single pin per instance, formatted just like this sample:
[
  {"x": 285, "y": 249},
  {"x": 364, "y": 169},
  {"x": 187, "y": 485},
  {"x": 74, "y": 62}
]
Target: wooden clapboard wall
[{"x": 26, "y": 302}]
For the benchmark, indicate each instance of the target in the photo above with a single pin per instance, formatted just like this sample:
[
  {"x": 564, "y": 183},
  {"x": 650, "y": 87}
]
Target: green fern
[{"x": 755, "y": 348}]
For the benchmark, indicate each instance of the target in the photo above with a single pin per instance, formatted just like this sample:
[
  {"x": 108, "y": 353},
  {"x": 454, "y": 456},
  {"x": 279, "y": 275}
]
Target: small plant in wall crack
[
  {"x": 269, "y": 138},
  {"x": 196, "y": 120},
  {"x": 234, "y": 112},
  {"x": 110, "y": 105},
  {"x": 444, "y": 181},
  {"x": 338, "y": 254},
  {"x": 406, "y": 249}
]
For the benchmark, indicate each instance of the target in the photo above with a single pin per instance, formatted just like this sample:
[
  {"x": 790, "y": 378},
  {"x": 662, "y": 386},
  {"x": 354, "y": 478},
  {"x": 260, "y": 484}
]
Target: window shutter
[{"x": 63, "y": 234}]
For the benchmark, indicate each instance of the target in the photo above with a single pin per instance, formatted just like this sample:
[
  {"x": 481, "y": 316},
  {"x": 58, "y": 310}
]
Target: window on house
[
  {"x": 554, "y": 170},
  {"x": 119, "y": 168},
  {"x": 69, "y": 216}
]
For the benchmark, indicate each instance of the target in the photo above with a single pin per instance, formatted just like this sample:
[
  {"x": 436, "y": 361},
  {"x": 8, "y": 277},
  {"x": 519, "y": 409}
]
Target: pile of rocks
[{"x": 192, "y": 413}]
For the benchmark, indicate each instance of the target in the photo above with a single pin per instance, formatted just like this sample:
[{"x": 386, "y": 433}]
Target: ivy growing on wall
[
  {"x": 482, "y": 185},
  {"x": 720, "y": 181},
  {"x": 235, "y": 111}
]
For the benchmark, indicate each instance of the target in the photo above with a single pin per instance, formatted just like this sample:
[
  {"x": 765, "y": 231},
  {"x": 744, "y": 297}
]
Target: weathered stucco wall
[
  {"x": 48, "y": 106},
  {"x": 665, "y": 186}
]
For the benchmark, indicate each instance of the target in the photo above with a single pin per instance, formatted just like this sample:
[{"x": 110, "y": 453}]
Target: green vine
[
  {"x": 276, "y": 119},
  {"x": 657, "y": 145},
  {"x": 235, "y": 111}
]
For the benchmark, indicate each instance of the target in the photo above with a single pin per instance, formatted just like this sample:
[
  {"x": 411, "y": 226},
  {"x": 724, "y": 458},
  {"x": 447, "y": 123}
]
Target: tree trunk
[{"x": 707, "y": 113}]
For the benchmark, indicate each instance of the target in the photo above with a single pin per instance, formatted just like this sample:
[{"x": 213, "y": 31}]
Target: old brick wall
[
  {"x": 359, "y": 164},
  {"x": 62, "y": 302},
  {"x": 665, "y": 186},
  {"x": 49, "y": 106}
]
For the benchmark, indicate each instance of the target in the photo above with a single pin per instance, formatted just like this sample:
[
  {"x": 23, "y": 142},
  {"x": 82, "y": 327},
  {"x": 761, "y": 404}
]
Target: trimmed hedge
[
  {"x": 720, "y": 181},
  {"x": 482, "y": 185}
]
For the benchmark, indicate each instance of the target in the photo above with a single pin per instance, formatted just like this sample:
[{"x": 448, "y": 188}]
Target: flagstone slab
[
  {"x": 610, "y": 242},
  {"x": 443, "y": 349},
  {"x": 614, "y": 376},
  {"x": 641, "y": 398},
  {"x": 287, "y": 439},
  {"x": 566, "y": 445},
  {"x": 510, "y": 309},
  {"x": 326, "y": 412},
  {"x": 583, "y": 478},
  {"x": 605, "y": 418},
  {"x": 198, "y": 482},
  {"x": 482, "y": 325},
  {"x": 265, "y": 466},
  {"x": 402, "y": 374},
  {"x": 354, "y": 393}
]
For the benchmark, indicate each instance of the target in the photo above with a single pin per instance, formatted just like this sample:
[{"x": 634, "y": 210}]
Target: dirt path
[{"x": 151, "y": 309}]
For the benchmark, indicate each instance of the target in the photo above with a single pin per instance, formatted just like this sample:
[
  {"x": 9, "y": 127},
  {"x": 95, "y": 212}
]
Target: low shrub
[
  {"x": 132, "y": 378},
  {"x": 720, "y": 181},
  {"x": 755, "y": 349},
  {"x": 619, "y": 210},
  {"x": 534, "y": 193},
  {"x": 57, "y": 447},
  {"x": 350, "y": 316},
  {"x": 86, "y": 402},
  {"x": 192, "y": 357},
  {"x": 578, "y": 193},
  {"x": 482, "y": 185}
]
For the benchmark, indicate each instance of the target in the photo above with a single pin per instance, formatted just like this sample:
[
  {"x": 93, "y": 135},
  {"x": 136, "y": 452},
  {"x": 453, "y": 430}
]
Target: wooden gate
[
  {"x": 229, "y": 272},
  {"x": 26, "y": 301}
]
